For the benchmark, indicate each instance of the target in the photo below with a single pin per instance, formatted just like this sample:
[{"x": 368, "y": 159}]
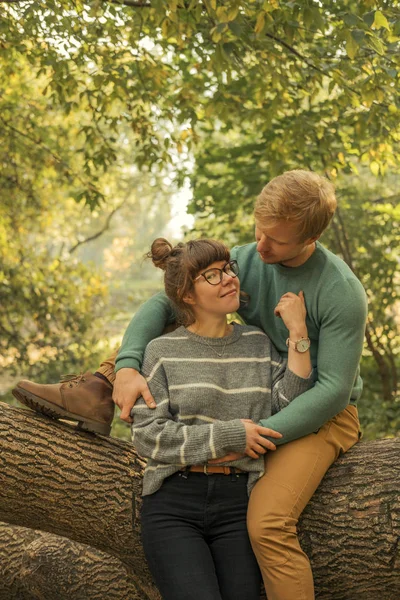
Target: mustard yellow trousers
[{"x": 293, "y": 473}]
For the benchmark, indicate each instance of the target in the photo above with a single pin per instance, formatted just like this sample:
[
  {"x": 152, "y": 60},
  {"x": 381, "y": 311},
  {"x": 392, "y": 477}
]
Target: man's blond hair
[{"x": 303, "y": 197}]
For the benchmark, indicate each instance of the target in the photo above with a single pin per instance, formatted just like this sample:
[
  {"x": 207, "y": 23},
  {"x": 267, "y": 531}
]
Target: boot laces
[{"x": 72, "y": 378}]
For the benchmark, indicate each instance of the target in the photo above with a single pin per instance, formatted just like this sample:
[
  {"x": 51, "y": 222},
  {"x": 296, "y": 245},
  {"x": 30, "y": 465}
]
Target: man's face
[{"x": 280, "y": 243}]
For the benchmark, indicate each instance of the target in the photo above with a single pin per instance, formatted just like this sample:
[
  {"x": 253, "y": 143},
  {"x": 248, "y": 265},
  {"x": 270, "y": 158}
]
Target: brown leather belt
[{"x": 210, "y": 469}]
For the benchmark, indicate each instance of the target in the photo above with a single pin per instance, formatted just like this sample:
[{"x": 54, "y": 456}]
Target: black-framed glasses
[{"x": 214, "y": 276}]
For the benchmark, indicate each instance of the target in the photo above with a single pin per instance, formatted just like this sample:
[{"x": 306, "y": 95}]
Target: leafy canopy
[{"x": 302, "y": 77}]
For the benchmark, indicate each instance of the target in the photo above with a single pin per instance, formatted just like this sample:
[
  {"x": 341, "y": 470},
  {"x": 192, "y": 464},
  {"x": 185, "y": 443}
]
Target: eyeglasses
[{"x": 214, "y": 276}]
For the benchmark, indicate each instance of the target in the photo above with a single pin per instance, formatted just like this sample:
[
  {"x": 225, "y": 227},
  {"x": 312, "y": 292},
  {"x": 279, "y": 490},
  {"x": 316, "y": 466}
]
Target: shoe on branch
[{"x": 83, "y": 398}]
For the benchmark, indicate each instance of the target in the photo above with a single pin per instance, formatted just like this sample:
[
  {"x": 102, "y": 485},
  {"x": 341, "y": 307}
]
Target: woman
[{"x": 212, "y": 382}]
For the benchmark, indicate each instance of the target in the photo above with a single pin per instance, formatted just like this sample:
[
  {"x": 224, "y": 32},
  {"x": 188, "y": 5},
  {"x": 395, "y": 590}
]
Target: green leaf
[
  {"x": 350, "y": 19},
  {"x": 308, "y": 17},
  {"x": 198, "y": 12},
  {"x": 369, "y": 17},
  {"x": 228, "y": 48},
  {"x": 260, "y": 23},
  {"x": 289, "y": 32},
  {"x": 381, "y": 21},
  {"x": 317, "y": 18},
  {"x": 391, "y": 72},
  {"x": 396, "y": 28},
  {"x": 376, "y": 44},
  {"x": 351, "y": 46},
  {"x": 358, "y": 35},
  {"x": 232, "y": 13},
  {"x": 374, "y": 166},
  {"x": 236, "y": 29}
]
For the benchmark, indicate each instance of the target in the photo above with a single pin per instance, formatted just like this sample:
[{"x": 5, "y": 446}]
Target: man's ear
[{"x": 311, "y": 240}]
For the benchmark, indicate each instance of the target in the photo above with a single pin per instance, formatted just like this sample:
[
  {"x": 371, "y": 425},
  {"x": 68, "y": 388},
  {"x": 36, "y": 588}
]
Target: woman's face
[{"x": 219, "y": 299}]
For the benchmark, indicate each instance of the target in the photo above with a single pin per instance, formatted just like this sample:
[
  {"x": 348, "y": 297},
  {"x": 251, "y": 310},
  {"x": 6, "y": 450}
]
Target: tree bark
[
  {"x": 13, "y": 541},
  {"x": 77, "y": 485},
  {"x": 87, "y": 488},
  {"x": 350, "y": 530},
  {"x": 35, "y": 565}
]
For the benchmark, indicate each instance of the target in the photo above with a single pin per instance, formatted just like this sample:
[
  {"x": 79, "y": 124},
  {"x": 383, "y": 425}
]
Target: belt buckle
[{"x": 205, "y": 470}]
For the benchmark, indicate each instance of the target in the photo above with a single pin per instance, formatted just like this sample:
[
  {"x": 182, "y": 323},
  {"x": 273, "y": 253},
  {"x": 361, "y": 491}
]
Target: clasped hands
[{"x": 256, "y": 444}]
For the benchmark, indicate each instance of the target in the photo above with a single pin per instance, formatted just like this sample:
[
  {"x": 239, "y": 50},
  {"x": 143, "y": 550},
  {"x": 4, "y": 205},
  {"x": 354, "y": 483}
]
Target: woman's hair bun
[{"x": 160, "y": 252}]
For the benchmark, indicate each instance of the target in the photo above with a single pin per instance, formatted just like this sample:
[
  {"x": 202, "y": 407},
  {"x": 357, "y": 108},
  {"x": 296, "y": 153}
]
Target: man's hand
[
  {"x": 253, "y": 438},
  {"x": 128, "y": 386},
  {"x": 292, "y": 310},
  {"x": 256, "y": 444}
]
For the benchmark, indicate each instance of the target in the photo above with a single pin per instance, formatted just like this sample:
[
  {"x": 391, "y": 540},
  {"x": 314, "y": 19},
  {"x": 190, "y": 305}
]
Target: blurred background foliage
[{"x": 108, "y": 109}]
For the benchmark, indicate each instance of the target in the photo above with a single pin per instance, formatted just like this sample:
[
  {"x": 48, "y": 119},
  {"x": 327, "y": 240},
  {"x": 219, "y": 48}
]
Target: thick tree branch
[
  {"x": 61, "y": 569},
  {"x": 92, "y": 489}
]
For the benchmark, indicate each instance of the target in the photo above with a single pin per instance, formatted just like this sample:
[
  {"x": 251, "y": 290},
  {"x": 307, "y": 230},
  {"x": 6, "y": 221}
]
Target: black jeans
[{"x": 195, "y": 538}]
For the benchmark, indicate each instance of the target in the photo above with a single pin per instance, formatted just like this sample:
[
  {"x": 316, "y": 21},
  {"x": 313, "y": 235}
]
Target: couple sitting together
[{"x": 239, "y": 422}]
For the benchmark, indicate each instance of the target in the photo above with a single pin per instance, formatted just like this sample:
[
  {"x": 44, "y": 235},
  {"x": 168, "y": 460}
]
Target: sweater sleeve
[
  {"x": 157, "y": 434},
  {"x": 148, "y": 323},
  {"x": 339, "y": 350},
  {"x": 286, "y": 385}
]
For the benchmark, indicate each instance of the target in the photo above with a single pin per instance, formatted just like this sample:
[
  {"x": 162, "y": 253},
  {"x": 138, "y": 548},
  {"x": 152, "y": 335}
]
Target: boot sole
[{"x": 56, "y": 412}]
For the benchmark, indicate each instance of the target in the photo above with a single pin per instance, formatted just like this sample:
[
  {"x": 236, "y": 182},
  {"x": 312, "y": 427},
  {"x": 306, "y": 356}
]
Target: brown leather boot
[{"x": 83, "y": 398}]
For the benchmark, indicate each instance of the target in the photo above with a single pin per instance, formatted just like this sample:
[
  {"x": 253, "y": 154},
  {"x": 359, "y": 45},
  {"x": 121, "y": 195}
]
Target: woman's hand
[{"x": 292, "y": 310}]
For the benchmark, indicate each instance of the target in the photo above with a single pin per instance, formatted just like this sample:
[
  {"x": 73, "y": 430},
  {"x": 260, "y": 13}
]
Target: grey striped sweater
[{"x": 201, "y": 398}]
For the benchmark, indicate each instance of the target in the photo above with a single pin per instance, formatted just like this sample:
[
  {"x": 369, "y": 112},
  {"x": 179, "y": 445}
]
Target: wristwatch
[{"x": 302, "y": 345}]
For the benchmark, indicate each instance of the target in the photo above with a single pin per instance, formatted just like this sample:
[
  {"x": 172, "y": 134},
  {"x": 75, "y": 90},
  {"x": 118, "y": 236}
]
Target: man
[{"x": 291, "y": 213}]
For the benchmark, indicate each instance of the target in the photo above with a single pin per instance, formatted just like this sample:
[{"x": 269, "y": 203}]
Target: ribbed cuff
[
  {"x": 296, "y": 385},
  {"x": 127, "y": 363},
  {"x": 229, "y": 436}
]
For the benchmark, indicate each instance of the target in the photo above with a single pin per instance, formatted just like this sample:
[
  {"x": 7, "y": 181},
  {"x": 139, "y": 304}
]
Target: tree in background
[
  {"x": 55, "y": 293},
  {"x": 245, "y": 89},
  {"x": 47, "y": 300},
  {"x": 297, "y": 74}
]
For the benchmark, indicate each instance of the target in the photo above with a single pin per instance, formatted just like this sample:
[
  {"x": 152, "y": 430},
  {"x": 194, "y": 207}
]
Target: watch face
[{"x": 302, "y": 345}]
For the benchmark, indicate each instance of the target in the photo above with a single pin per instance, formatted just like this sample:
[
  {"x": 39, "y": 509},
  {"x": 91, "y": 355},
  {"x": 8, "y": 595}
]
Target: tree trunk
[
  {"x": 35, "y": 565},
  {"x": 13, "y": 541},
  {"x": 350, "y": 530},
  {"x": 77, "y": 485},
  {"x": 87, "y": 488}
]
